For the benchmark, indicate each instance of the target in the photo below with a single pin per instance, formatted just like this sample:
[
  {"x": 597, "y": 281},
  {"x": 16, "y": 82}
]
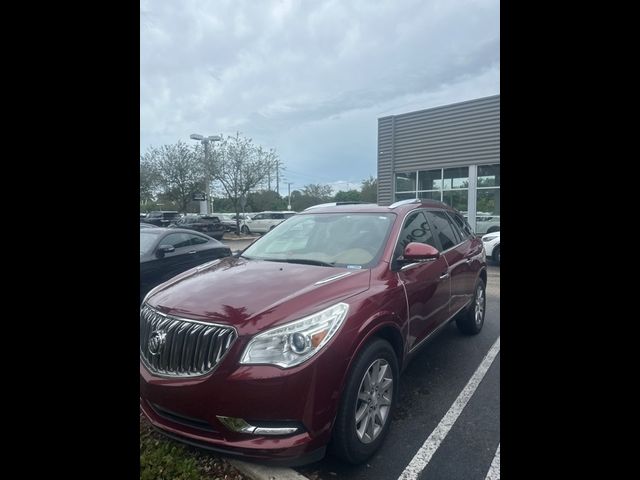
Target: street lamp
[{"x": 204, "y": 205}]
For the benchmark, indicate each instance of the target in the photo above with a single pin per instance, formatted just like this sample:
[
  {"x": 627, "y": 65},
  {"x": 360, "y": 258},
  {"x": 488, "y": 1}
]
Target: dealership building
[{"x": 449, "y": 153}]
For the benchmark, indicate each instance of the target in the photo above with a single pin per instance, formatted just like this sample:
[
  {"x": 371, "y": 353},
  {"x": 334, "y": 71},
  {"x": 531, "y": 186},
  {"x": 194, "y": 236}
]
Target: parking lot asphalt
[{"x": 466, "y": 436}]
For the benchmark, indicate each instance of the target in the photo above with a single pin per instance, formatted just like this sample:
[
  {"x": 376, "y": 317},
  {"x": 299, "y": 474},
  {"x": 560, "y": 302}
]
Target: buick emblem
[{"x": 157, "y": 341}]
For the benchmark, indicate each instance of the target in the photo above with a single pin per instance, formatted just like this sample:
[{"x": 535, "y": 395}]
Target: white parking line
[
  {"x": 494, "y": 469},
  {"x": 429, "y": 447}
]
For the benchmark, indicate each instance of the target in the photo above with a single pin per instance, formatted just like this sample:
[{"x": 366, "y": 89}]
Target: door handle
[
  {"x": 191, "y": 252},
  {"x": 444, "y": 275}
]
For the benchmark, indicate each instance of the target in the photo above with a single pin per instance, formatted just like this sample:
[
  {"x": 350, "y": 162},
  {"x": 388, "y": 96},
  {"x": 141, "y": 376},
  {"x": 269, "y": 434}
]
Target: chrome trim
[
  {"x": 446, "y": 275},
  {"x": 416, "y": 263},
  {"x": 332, "y": 277},
  {"x": 242, "y": 426},
  {"x": 189, "y": 359},
  {"x": 204, "y": 266},
  {"x": 274, "y": 430}
]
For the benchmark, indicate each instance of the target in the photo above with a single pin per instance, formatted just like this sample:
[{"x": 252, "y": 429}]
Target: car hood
[{"x": 253, "y": 295}]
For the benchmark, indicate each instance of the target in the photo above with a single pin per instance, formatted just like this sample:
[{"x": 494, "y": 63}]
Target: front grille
[{"x": 176, "y": 347}]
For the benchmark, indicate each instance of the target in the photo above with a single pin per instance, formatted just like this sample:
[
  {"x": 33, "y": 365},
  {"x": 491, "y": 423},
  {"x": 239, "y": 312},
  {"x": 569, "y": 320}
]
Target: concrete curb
[{"x": 262, "y": 472}]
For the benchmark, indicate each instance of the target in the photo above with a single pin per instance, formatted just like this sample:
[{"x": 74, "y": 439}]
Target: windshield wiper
[{"x": 304, "y": 261}]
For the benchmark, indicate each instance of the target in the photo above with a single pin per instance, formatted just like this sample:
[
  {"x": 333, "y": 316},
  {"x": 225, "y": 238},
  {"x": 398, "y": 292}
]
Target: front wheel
[
  {"x": 471, "y": 321},
  {"x": 365, "y": 409},
  {"x": 245, "y": 230}
]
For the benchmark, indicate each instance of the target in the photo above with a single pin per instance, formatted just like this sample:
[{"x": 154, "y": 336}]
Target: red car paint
[{"x": 405, "y": 307}]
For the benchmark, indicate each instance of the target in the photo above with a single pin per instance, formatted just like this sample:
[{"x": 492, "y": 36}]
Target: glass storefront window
[
  {"x": 405, "y": 196},
  {"x": 458, "y": 199},
  {"x": 430, "y": 180},
  {"x": 489, "y": 175},
  {"x": 430, "y": 195},
  {"x": 456, "y": 178},
  {"x": 406, "y": 182},
  {"x": 488, "y": 210}
]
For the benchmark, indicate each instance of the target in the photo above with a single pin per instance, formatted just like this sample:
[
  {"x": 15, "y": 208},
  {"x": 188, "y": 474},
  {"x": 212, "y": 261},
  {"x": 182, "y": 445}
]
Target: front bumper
[{"x": 187, "y": 409}]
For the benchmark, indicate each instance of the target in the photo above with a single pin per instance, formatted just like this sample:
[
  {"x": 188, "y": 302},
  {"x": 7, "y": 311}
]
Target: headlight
[
  {"x": 291, "y": 344},
  {"x": 488, "y": 238}
]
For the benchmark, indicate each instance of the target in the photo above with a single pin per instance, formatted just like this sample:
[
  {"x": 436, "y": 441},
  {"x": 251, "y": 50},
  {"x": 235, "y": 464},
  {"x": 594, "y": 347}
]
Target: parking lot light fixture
[{"x": 204, "y": 205}]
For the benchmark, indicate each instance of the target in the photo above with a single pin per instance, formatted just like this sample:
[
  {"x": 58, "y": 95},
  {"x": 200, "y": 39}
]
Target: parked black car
[
  {"x": 162, "y": 218},
  {"x": 166, "y": 252},
  {"x": 208, "y": 225}
]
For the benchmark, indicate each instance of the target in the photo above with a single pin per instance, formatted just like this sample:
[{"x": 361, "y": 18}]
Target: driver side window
[{"x": 415, "y": 229}]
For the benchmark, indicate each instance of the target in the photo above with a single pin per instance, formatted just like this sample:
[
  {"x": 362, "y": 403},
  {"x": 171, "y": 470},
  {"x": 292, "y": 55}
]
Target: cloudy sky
[{"x": 309, "y": 78}]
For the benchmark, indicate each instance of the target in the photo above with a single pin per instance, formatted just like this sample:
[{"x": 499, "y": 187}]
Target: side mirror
[
  {"x": 162, "y": 249},
  {"x": 416, "y": 252}
]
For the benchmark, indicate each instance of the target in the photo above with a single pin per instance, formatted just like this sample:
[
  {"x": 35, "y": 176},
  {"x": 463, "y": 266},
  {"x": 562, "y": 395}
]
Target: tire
[
  {"x": 470, "y": 322},
  {"x": 496, "y": 255},
  {"x": 244, "y": 229},
  {"x": 347, "y": 443}
]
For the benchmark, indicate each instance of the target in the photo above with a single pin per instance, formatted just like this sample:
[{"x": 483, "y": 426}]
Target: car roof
[{"x": 403, "y": 206}]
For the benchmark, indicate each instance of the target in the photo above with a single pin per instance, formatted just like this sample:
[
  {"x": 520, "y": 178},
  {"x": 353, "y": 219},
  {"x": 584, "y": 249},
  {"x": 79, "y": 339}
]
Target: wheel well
[{"x": 393, "y": 336}]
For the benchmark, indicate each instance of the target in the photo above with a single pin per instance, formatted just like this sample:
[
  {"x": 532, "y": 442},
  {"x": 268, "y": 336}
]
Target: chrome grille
[{"x": 177, "y": 347}]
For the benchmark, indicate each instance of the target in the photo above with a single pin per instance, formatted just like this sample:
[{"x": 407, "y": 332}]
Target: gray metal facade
[{"x": 461, "y": 134}]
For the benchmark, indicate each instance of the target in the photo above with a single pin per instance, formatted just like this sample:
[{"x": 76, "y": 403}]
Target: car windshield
[
  {"x": 146, "y": 241},
  {"x": 352, "y": 240}
]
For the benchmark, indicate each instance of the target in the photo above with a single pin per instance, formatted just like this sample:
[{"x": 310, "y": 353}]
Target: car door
[
  {"x": 258, "y": 223},
  {"x": 205, "y": 249},
  {"x": 427, "y": 284},
  {"x": 182, "y": 258},
  {"x": 455, "y": 251},
  {"x": 276, "y": 219},
  {"x": 472, "y": 251}
]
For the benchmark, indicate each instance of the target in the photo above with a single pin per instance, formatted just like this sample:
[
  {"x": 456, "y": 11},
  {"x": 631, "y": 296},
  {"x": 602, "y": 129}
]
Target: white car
[
  {"x": 264, "y": 221},
  {"x": 491, "y": 242}
]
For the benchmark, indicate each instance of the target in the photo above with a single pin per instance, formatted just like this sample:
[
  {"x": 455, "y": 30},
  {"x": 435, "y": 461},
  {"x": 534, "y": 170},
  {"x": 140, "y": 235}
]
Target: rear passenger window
[
  {"x": 462, "y": 225},
  {"x": 197, "y": 240},
  {"x": 416, "y": 229},
  {"x": 444, "y": 229},
  {"x": 178, "y": 240}
]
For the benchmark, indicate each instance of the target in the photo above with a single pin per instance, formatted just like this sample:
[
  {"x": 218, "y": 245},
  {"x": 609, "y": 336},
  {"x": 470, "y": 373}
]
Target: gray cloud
[{"x": 309, "y": 78}]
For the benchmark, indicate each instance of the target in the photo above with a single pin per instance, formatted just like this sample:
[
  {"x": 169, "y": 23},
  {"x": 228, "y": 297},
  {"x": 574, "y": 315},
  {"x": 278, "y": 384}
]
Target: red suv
[{"x": 298, "y": 343}]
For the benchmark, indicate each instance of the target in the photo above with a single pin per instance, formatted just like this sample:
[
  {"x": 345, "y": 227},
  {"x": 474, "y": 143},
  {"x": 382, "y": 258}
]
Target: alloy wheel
[
  {"x": 480, "y": 304},
  {"x": 374, "y": 401}
]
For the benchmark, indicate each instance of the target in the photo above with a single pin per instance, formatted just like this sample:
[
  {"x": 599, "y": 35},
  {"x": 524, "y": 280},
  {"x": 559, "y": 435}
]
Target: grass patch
[{"x": 164, "y": 459}]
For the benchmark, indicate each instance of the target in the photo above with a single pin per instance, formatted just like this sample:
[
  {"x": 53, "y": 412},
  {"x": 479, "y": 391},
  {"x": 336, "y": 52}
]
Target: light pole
[
  {"x": 289, "y": 195},
  {"x": 204, "y": 205}
]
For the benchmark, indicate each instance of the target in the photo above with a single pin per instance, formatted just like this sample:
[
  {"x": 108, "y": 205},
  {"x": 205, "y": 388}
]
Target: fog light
[{"x": 242, "y": 426}]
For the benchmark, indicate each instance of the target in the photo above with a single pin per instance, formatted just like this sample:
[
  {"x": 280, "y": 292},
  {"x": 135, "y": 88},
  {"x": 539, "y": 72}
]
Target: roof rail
[
  {"x": 320, "y": 205},
  {"x": 405, "y": 202},
  {"x": 337, "y": 204}
]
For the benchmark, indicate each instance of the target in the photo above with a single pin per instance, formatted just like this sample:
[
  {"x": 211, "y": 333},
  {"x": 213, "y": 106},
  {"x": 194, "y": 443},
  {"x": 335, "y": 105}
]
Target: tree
[
  {"x": 311, "y": 194},
  {"x": 316, "y": 190},
  {"x": 348, "y": 196},
  {"x": 369, "y": 190},
  {"x": 265, "y": 200},
  {"x": 179, "y": 172},
  {"x": 149, "y": 180},
  {"x": 239, "y": 167}
]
